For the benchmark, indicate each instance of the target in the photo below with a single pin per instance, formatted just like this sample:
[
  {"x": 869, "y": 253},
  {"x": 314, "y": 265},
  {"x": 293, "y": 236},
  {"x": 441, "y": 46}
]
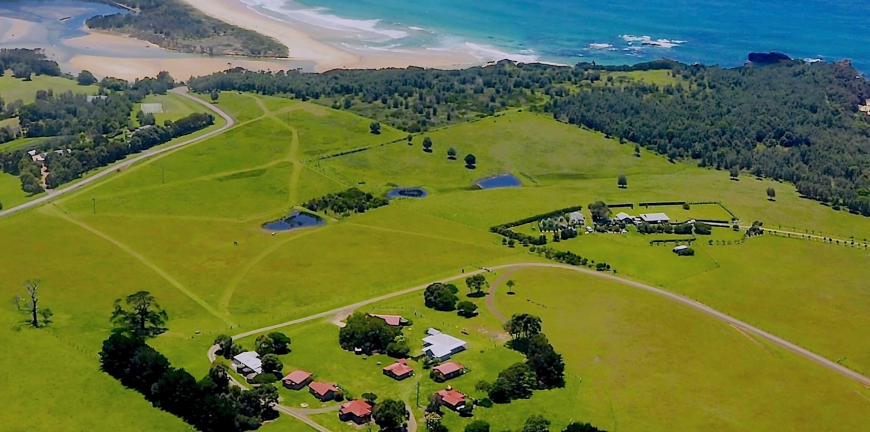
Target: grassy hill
[{"x": 187, "y": 228}]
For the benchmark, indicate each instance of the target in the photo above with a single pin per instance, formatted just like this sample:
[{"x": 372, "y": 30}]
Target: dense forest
[
  {"x": 175, "y": 25},
  {"x": 788, "y": 121}
]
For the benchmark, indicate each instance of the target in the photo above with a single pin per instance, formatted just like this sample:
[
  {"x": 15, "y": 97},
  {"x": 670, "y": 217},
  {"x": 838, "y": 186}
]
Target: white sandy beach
[
  {"x": 179, "y": 68},
  {"x": 326, "y": 57}
]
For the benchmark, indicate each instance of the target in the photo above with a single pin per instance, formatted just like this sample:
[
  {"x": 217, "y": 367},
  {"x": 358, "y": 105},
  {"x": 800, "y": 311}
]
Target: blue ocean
[{"x": 613, "y": 32}]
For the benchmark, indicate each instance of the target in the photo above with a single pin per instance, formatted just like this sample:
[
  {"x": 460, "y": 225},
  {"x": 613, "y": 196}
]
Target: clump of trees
[
  {"x": 686, "y": 252},
  {"x": 344, "y": 203},
  {"x": 466, "y": 309},
  {"x": 367, "y": 333},
  {"x": 390, "y": 415},
  {"x": 441, "y": 297},
  {"x": 210, "y": 404},
  {"x": 227, "y": 347},
  {"x": 476, "y": 284},
  {"x": 543, "y": 368},
  {"x": 600, "y": 212},
  {"x": 272, "y": 343}
]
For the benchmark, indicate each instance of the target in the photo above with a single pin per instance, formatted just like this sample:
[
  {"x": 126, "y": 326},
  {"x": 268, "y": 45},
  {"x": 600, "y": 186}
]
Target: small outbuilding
[
  {"x": 297, "y": 380},
  {"x": 655, "y": 218},
  {"x": 399, "y": 370},
  {"x": 357, "y": 411},
  {"x": 449, "y": 370},
  {"x": 323, "y": 391},
  {"x": 451, "y": 398},
  {"x": 577, "y": 218},
  {"x": 680, "y": 248},
  {"x": 624, "y": 217}
]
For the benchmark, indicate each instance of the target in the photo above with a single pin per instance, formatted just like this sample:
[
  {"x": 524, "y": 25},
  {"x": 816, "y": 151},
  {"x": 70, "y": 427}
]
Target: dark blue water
[
  {"x": 296, "y": 220},
  {"x": 407, "y": 193},
  {"x": 504, "y": 180},
  {"x": 569, "y": 31}
]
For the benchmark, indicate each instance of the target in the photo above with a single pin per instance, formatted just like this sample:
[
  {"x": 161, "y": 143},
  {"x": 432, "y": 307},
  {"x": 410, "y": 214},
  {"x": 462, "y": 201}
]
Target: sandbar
[{"x": 16, "y": 29}]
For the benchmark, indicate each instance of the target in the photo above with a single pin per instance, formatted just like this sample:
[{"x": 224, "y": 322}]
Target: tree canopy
[
  {"x": 441, "y": 297},
  {"x": 390, "y": 414},
  {"x": 139, "y": 315},
  {"x": 367, "y": 333}
]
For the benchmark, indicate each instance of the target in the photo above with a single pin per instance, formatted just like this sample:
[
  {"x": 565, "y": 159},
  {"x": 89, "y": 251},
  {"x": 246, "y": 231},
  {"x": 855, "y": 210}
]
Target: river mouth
[
  {"x": 407, "y": 193},
  {"x": 499, "y": 181},
  {"x": 295, "y": 220}
]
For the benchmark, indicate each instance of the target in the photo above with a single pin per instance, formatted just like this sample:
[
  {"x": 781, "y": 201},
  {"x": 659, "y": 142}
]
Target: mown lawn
[{"x": 12, "y": 89}]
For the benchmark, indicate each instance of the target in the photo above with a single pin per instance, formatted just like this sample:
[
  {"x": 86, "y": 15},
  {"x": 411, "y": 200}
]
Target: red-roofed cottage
[
  {"x": 357, "y": 410},
  {"x": 297, "y": 380},
  {"x": 399, "y": 370},
  {"x": 451, "y": 399},
  {"x": 446, "y": 371},
  {"x": 323, "y": 391}
]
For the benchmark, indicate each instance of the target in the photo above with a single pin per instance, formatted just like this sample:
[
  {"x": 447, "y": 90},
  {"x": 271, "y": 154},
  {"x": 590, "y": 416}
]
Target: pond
[
  {"x": 407, "y": 193},
  {"x": 500, "y": 181},
  {"x": 296, "y": 219}
]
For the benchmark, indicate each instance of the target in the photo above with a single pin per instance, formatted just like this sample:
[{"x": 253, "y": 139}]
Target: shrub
[
  {"x": 265, "y": 378},
  {"x": 686, "y": 252},
  {"x": 485, "y": 402},
  {"x": 703, "y": 229},
  {"x": 339, "y": 396},
  {"x": 398, "y": 349}
]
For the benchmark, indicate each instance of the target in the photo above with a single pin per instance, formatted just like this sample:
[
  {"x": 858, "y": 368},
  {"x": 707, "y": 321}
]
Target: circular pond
[
  {"x": 295, "y": 220},
  {"x": 407, "y": 193}
]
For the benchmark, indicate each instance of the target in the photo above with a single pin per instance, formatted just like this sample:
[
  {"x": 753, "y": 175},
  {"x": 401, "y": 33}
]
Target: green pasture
[
  {"x": 649, "y": 364},
  {"x": 187, "y": 226},
  {"x": 174, "y": 107},
  {"x": 12, "y": 89}
]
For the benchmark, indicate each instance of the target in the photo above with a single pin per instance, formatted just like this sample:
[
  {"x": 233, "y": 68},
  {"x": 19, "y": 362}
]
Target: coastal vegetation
[{"x": 175, "y": 25}]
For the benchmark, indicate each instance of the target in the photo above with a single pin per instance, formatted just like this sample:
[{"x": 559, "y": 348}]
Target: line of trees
[{"x": 209, "y": 404}]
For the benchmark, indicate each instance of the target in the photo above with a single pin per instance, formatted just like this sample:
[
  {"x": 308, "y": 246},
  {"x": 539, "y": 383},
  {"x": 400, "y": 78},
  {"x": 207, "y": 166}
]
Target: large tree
[
  {"x": 390, "y": 415},
  {"x": 441, "y": 297},
  {"x": 536, "y": 423},
  {"x": 86, "y": 78},
  {"x": 476, "y": 283},
  {"x": 515, "y": 382},
  {"x": 523, "y": 326},
  {"x": 272, "y": 364},
  {"x": 139, "y": 315}
]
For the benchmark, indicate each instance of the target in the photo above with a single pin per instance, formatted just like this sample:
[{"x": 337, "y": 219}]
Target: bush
[
  {"x": 686, "y": 252},
  {"x": 441, "y": 297},
  {"x": 466, "y": 309},
  {"x": 686, "y": 206},
  {"x": 265, "y": 378},
  {"x": 485, "y": 402},
  {"x": 339, "y": 396},
  {"x": 703, "y": 229},
  {"x": 467, "y": 410},
  {"x": 398, "y": 349}
]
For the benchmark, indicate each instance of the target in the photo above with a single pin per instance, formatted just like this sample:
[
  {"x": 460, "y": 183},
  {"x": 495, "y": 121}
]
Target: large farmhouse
[{"x": 441, "y": 346}]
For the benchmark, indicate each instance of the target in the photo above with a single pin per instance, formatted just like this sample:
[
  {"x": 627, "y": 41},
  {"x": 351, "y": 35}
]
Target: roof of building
[
  {"x": 448, "y": 368},
  {"x": 357, "y": 407},
  {"x": 441, "y": 345},
  {"x": 297, "y": 377},
  {"x": 577, "y": 215},
  {"x": 623, "y": 216},
  {"x": 681, "y": 247},
  {"x": 393, "y": 320},
  {"x": 322, "y": 388},
  {"x": 654, "y": 217},
  {"x": 452, "y": 397},
  {"x": 399, "y": 368},
  {"x": 250, "y": 359}
]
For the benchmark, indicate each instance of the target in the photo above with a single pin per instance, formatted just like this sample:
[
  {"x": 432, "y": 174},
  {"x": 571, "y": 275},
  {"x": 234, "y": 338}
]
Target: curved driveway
[
  {"x": 182, "y": 91},
  {"x": 676, "y": 297}
]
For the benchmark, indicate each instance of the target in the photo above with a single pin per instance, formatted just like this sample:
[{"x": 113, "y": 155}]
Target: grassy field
[
  {"x": 174, "y": 107},
  {"x": 187, "y": 227},
  {"x": 12, "y": 89}
]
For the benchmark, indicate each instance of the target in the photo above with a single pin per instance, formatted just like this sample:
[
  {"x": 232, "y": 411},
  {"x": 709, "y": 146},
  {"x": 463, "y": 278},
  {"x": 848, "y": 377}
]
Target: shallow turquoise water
[{"x": 707, "y": 31}]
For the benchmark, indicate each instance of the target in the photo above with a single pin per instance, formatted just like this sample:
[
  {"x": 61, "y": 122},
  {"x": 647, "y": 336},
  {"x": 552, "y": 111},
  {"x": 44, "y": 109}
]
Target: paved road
[
  {"x": 182, "y": 91},
  {"x": 676, "y": 297}
]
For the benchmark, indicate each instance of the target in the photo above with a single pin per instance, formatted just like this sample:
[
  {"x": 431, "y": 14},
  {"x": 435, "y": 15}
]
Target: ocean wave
[
  {"x": 600, "y": 46},
  {"x": 649, "y": 41},
  {"x": 319, "y": 17},
  {"x": 488, "y": 53}
]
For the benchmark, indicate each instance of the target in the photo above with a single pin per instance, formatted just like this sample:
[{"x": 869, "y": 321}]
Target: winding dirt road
[{"x": 182, "y": 91}]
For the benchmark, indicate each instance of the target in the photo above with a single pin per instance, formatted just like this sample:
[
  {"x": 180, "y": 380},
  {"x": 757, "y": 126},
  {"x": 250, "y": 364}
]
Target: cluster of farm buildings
[{"x": 438, "y": 346}]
